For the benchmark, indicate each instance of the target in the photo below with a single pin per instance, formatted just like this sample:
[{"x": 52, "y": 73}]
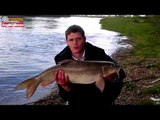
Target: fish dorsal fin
[
  {"x": 65, "y": 61},
  {"x": 107, "y": 62}
]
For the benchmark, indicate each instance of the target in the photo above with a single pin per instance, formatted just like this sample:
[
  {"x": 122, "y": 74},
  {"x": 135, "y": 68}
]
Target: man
[{"x": 88, "y": 94}]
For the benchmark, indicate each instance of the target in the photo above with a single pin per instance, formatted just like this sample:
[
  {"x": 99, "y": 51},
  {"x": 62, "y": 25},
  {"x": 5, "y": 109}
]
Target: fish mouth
[{"x": 112, "y": 77}]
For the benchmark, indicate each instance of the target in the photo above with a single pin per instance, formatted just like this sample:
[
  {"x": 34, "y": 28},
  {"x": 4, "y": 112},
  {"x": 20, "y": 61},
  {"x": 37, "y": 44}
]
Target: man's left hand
[{"x": 112, "y": 77}]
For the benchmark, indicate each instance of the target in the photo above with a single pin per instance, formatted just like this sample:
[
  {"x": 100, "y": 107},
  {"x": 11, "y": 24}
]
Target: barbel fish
[{"x": 81, "y": 72}]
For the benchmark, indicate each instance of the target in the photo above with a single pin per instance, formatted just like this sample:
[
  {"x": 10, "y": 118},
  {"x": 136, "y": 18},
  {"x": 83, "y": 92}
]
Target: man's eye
[
  {"x": 78, "y": 39},
  {"x": 70, "y": 40}
]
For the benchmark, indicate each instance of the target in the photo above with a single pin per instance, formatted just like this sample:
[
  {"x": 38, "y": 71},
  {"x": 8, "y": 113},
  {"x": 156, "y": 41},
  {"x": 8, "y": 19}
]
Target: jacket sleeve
[
  {"x": 63, "y": 93},
  {"x": 113, "y": 88}
]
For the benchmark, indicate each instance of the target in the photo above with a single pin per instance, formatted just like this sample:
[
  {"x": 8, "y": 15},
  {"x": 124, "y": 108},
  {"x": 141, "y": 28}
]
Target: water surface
[{"x": 27, "y": 51}]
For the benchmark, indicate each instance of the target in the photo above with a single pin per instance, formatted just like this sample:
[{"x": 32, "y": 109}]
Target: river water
[{"x": 27, "y": 51}]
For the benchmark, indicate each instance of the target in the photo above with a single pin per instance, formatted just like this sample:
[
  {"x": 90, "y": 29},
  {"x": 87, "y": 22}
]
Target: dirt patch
[
  {"x": 140, "y": 73},
  {"x": 52, "y": 99}
]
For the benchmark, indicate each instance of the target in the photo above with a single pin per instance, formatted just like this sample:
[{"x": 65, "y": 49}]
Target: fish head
[{"x": 110, "y": 69}]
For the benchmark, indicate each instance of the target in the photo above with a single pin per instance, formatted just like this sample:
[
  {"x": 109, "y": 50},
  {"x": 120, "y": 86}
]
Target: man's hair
[{"x": 74, "y": 29}]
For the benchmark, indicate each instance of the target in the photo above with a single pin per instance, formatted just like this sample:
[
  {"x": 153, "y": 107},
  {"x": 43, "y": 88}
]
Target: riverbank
[
  {"x": 141, "y": 85},
  {"x": 141, "y": 63},
  {"x": 141, "y": 74}
]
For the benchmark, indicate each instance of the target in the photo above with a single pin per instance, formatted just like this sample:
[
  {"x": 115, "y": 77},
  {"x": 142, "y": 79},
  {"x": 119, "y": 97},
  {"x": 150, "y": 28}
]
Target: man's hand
[
  {"x": 61, "y": 79},
  {"x": 111, "y": 77},
  {"x": 101, "y": 84}
]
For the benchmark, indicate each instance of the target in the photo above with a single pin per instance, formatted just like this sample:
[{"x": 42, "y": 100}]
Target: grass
[
  {"x": 152, "y": 90},
  {"x": 146, "y": 102},
  {"x": 143, "y": 31}
]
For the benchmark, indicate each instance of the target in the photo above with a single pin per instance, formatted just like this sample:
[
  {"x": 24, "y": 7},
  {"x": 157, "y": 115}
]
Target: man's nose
[{"x": 75, "y": 42}]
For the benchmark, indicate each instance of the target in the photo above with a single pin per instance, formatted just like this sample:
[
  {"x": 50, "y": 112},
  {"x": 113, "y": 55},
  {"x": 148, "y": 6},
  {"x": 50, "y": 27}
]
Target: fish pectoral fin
[{"x": 100, "y": 84}]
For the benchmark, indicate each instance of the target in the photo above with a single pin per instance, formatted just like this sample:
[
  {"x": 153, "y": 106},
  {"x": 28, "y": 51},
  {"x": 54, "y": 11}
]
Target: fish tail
[{"x": 30, "y": 84}]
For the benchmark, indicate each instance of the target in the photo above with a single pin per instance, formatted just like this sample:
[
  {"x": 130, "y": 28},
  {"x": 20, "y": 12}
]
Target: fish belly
[{"x": 83, "y": 78}]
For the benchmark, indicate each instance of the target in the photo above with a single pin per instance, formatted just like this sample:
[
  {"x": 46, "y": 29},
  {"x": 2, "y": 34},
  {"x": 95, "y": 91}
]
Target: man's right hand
[{"x": 61, "y": 79}]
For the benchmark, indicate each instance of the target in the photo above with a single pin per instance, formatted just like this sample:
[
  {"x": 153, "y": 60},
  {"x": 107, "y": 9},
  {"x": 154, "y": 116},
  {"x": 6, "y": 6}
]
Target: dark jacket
[{"x": 89, "y": 94}]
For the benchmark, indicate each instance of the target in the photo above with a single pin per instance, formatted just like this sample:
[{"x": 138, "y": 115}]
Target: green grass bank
[{"x": 144, "y": 32}]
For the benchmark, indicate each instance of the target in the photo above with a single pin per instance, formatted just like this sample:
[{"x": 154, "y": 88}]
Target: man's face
[{"x": 76, "y": 42}]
